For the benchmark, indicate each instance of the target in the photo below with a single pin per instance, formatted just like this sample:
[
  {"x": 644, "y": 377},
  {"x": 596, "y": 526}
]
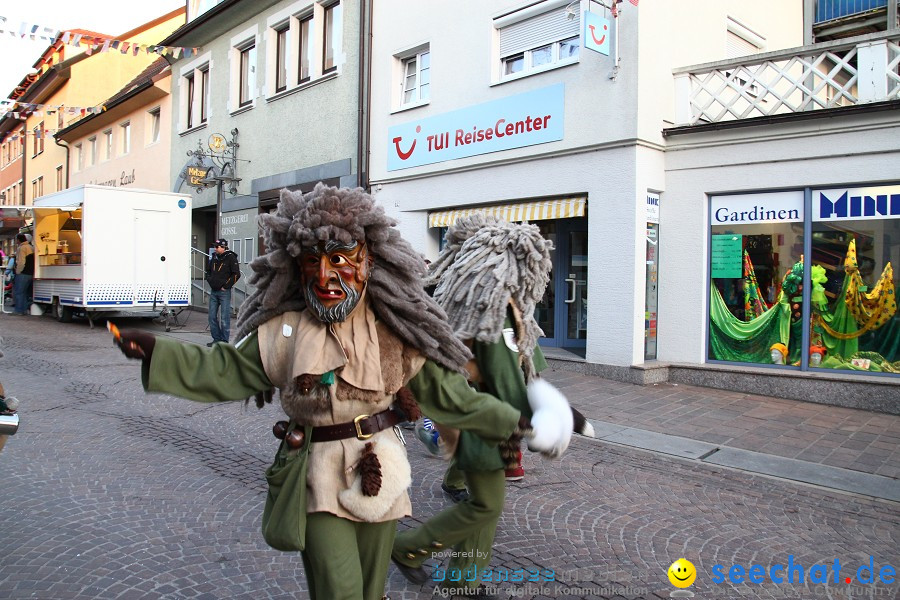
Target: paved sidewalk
[
  {"x": 112, "y": 493},
  {"x": 730, "y": 428}
]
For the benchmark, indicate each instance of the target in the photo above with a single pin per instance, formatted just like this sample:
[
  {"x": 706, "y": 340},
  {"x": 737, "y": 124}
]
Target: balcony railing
[
  {"x": 828, "y": 10},
  {"x": 814, "y": 77}
]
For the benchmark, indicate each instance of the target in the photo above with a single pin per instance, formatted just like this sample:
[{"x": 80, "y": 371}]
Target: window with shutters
[{"x": 538, "y": 38}]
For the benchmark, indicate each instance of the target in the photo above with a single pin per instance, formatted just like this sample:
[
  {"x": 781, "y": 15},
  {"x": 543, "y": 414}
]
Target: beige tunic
[{"x": 370, "y": 365}]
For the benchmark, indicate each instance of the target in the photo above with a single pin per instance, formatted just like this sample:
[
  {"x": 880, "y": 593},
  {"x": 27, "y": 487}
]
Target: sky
[{"x": 111, "y": 17}]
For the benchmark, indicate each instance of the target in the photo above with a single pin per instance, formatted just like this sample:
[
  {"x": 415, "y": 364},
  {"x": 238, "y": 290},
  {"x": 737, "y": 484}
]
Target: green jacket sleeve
[
  {"x": 220, "y": 373},
  {"x": 447, "y": 399}
]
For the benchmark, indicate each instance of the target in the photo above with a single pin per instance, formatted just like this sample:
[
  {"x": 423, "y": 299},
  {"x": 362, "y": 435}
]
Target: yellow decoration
[{"x": 874, "y": 309}]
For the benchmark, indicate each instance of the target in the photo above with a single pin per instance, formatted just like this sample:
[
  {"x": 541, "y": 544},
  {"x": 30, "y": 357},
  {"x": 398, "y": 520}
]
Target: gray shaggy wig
[
  {"x": 486, "y": 263},
  {"x": 395, "y": 289}
]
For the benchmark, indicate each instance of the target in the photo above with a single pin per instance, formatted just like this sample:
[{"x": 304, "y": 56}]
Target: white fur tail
[{"x": 551, "y": 421}]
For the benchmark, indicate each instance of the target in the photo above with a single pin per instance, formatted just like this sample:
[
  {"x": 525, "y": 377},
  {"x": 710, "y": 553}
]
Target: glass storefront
[{"x": 839, "y": 311}]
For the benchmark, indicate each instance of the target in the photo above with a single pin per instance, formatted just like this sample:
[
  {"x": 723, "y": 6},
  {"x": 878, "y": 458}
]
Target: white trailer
[{"x": 104, "y": 249}]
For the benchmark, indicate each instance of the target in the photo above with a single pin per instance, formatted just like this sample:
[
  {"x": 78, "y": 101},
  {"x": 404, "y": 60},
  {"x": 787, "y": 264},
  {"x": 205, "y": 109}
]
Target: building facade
[
  {"x": 128, "y": 144},
  {"x": 274, "y": 100},
  {"x": 551, "y": 112}
]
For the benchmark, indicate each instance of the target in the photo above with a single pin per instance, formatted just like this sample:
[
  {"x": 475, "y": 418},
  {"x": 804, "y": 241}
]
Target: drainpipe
[
  {"x": 363, "y": 118},
  {"x": 66, "y": 146}
]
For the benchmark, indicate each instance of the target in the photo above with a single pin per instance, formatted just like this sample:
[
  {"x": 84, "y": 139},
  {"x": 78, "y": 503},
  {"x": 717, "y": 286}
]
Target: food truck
[{"x": 101, "y": 249}]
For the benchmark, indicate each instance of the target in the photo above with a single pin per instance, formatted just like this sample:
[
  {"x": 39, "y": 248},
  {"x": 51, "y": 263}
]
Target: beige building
[
  {"x": 78, "y": 81},
  {"x": 127, "y": 145}
]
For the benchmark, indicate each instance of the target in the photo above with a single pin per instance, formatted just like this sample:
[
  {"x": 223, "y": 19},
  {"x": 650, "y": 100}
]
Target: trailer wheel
[{"x": 61, "y": 313}]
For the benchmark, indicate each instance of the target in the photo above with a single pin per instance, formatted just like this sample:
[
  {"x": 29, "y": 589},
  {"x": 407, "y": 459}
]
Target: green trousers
[
  {"x": 346, "y": 560},
  {"x": 466, "y": 529}
]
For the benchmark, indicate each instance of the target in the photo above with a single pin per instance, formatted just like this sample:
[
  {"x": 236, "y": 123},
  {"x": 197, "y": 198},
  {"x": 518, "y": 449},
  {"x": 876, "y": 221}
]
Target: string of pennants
[
  {"x": 37, "y": 134},
  {"x": 20, "y": 110},
  {"x": 92, "y": 43}
]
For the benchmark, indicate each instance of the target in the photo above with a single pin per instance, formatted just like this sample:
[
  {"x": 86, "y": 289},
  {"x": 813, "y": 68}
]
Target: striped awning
[{"x": 563, "y": 208}]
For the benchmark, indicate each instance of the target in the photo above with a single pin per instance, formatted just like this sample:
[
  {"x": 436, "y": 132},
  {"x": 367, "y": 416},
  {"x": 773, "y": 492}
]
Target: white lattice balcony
[{"x": 819, "y": 76}]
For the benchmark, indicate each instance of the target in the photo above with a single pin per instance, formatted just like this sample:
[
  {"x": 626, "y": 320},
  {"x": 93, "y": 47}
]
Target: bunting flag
[
  {"x": 635, "y": 2},
  {"x": 91, "y": 44},
  {"x": 23, "y": 109}
]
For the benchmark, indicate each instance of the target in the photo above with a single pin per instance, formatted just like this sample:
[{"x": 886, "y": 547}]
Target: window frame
[
  {"x": 125, "y": 129},
  {"x": 92, "y": 147},
  {"x": 405, "y": 61},
  {"x": 195, "y": 81},
  {"x": 330, "y": 35},
  {"x": 108, "y": 143},
  {"x": 154, "y": 127},
  {"x": 247, "y": 57},
  {"x": 282, "y": 43},
  {"x": 555, "y": 38},
  {"x": 60, "y": 182}
]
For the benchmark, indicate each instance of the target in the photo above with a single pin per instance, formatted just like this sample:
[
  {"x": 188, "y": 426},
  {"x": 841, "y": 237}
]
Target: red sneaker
[{"x": 515, "y": 474}]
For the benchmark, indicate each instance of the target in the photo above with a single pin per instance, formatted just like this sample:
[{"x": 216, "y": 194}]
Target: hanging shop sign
[
  {"x": 840, "y": 204},
  {"x": 596, "y": 33},
  {"x": 195, "y": 175},
  {"x": 749, "y": 209},
  {"x": 527, "y": 119}
]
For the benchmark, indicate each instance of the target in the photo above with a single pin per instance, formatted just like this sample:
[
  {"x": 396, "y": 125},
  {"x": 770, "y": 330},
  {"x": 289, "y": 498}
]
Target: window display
[
  {"x": 757, "y": 269},
  {"x": 755, "y": 246}
]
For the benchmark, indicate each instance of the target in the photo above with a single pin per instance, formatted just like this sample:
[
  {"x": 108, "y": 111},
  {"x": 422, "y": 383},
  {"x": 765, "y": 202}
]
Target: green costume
[
  {"x": 350, "y": 562},
  {"x": 467, "y": 529}
]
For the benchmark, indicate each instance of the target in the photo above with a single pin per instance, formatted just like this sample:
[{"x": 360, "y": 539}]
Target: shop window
[
  {"x": 535, "y": 39},
  {"x": 756, "y": 242},
  {"x": 758, "y": 300},
  {"x": 853, "y": 302}
]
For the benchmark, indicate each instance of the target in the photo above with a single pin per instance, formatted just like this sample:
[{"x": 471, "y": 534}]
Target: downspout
[
  {"x": 365, "y": 62},
  {"x": 56, "y": 141},
  {"x": 24, "y": 154}
]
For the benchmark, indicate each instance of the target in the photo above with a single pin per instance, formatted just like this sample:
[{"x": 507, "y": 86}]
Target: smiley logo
[
  {"x": 404, "y": 155},
  {"x": 594, "y": 35},
  {"x": 682, "y": 573}
]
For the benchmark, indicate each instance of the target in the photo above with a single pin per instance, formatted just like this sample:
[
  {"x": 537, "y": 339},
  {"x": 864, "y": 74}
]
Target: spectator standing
[
  {"x": 222, "y": 273},
  {"x": 24, "y": 275}
]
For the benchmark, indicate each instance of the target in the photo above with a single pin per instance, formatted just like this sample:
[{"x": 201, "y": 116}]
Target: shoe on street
[
  {"x": 455, "y": 495},
  {"x": 414, "y": 575},
  {"x": 516, "y": 474}
]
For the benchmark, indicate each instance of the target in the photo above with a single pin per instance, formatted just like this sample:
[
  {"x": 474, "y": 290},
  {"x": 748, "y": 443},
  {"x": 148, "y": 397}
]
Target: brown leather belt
[{"x": 362, "y": 427}]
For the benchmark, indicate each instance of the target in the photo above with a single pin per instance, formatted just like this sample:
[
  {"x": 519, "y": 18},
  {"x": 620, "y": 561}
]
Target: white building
[{"x": 506, "y": 106}]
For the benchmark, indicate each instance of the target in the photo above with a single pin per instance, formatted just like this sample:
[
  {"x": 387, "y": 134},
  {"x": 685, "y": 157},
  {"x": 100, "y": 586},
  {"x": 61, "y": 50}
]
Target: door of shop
[{"x": 563, "y": 312}]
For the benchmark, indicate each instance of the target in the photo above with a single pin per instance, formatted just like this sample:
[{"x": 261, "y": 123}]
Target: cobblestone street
[{"x": 111, "y": 493}]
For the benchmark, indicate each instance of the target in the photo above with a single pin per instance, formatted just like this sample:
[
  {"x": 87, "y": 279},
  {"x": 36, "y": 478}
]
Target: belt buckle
[{"x": 359, "y": 434}]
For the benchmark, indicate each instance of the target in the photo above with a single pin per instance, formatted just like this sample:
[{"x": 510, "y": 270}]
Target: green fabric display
[
  {"x": 284, "y": 516},
  {"x": 747, "y": 341}
]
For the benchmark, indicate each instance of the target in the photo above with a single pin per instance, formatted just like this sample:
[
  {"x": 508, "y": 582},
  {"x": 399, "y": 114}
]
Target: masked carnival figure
[{"x": 341, "y": 325}]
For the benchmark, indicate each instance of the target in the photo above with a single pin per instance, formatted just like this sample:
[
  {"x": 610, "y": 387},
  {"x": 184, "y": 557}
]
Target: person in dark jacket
[{"x": 222, "y": 273}]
